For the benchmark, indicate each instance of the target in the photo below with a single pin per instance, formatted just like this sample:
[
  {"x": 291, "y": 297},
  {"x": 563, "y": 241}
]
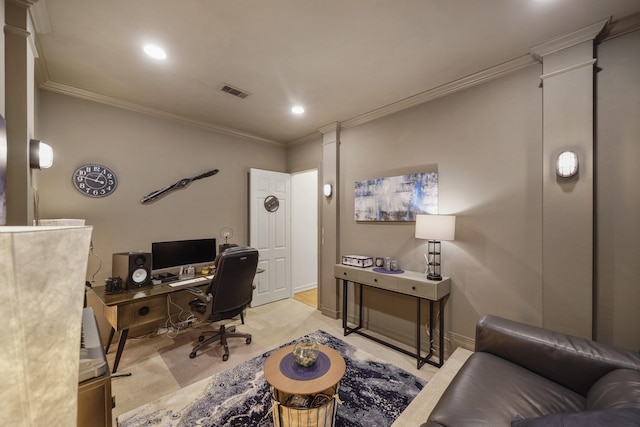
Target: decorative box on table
[{"x": 357, "y": 260}]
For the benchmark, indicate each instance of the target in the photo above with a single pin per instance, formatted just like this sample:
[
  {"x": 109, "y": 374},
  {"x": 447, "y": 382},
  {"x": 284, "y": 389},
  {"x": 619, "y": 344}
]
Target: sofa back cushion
[
  {"x": 574, "y": 362},
  {"x": 617, "y": 389}
]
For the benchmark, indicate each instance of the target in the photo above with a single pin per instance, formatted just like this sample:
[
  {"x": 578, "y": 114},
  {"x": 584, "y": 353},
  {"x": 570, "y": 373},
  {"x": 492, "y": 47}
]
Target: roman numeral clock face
[{"x": 95, "y": 180}]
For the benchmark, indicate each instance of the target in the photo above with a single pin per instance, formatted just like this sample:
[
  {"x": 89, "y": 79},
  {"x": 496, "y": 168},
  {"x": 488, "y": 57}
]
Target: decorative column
[
  {"x": 329, "y": 295},
  {"x": 42, "y": 285},
  {"x": 19, "y": 102},
  {"x": 567, "y": 214}
]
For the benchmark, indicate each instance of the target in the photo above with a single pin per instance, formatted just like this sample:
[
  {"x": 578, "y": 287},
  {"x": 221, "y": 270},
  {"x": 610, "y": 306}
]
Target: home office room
[{"x": 457, "y": 111}]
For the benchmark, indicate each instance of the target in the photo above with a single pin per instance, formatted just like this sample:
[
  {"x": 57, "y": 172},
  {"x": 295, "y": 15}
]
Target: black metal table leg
[
  {"x": 123, "y": 339},
  {"x": 345, "y": 291},
  {"x": 418, "y": 346},
  {"x": 106, "y": 349},
  {"x": 441, "y": 313}
]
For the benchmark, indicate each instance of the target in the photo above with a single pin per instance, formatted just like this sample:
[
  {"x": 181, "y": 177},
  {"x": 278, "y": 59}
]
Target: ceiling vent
[{"x": 234, "y": 91}]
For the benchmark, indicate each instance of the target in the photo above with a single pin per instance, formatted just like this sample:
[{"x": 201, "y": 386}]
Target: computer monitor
[{"x": 168, "y": 256}]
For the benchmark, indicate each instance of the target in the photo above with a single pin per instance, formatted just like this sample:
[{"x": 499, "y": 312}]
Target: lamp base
[{"x": 434, "y": 277}]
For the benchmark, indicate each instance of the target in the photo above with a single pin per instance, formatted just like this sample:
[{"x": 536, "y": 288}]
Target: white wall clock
[{"x": 95, "y": 180}]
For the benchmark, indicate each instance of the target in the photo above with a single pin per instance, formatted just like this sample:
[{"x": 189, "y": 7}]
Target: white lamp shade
[
  {"x": 436, "y": 227},
  {"x": 42, "y": 276}
]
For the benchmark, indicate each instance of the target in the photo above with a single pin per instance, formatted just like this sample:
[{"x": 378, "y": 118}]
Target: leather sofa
[{"x": 522, "y": 375}]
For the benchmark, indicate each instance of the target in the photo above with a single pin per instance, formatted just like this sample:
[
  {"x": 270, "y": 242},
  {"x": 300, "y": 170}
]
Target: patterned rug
[{"x": 372, "y": 393}]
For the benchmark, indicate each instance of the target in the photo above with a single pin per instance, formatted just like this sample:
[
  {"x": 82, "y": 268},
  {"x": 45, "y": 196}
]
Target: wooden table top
[{"x": 281, "y": 382}]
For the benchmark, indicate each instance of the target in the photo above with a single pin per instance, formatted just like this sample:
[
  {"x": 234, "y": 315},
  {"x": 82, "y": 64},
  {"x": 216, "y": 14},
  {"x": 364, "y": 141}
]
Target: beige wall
[
  {"x": 618, "y": 193},
  {"x": 302, "y": 157},
  {"x": 486, "y": 143},
  {"x": 147, "y": 153}
]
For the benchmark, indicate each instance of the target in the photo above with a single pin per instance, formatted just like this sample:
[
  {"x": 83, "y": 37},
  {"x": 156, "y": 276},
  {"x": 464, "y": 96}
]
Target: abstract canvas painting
[{"x": 396, "y": 198}]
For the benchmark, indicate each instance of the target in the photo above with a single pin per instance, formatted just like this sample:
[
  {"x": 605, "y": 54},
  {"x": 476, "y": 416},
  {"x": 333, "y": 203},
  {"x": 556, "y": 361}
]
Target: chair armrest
[
  {"x": 201, "y": 305},
  {"x": 574, "y": 362}
]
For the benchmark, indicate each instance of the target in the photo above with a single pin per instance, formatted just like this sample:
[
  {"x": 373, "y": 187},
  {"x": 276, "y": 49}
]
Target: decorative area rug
[{"x": 372, "y": 393}]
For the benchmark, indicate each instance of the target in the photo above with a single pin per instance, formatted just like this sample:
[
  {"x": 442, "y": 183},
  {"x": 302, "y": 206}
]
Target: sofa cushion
[
  {"x": 490, "y": 391},
  {"x": 617, "y": 389},
  {"x": 619, "y": 417}
]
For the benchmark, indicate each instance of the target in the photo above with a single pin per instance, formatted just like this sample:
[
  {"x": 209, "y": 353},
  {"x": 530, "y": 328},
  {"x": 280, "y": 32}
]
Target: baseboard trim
[{"x": 458, "y": 340}]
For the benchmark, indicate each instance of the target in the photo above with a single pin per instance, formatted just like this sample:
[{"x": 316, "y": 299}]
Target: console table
[{"x": 410, "y": 283}]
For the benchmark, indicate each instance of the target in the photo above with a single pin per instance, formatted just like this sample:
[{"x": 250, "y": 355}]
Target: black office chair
[{"x": 227, "y": 296}]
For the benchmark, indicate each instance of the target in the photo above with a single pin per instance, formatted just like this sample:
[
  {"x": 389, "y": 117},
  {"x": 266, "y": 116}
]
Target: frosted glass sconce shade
[
  {"x": 42, "y": 277},
  {"x": 40, "y": 155},
  {"x": 435, "y": 228},
  {"x": 567, "y": 164},
  {"x": 327, "y": 190}
]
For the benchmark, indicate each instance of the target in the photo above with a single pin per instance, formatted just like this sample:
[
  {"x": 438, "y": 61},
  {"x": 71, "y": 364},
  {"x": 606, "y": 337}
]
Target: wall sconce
[
  {"x": 327, "y": 190},
  {"x": 435, "y": 228},
  {"x": 40, "y": 154},
  {"x": 567, "y": 164}
]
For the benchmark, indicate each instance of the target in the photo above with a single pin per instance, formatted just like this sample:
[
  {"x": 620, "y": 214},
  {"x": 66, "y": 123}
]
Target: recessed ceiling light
[
  {"x": 297, "y": 109},
  {"x": 155, "y": 51}
]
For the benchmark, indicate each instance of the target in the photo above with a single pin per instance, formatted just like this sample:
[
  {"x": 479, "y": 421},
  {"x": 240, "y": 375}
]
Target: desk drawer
[
  {"x": 422, "y": 290},
  {"x": 350, "y": 274},
  {"x": 380, "y": 280},
  {"x": 137, "y": 313}
]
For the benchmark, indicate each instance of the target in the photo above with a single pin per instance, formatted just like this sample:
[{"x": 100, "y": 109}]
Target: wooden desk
[
  {"x": 137, "y": 307},
  {"x": 408, "y": 283}
]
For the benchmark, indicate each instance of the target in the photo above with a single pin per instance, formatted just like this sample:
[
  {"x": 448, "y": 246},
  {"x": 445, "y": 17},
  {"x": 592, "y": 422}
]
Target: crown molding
[
  {"x": 40, "y": 17},
  {"x": 584, "y": 64},
  {"x": 63, "y": 89},
  {"x": 308, "y": 138},
  {"x": 623, "y": 26},
  {"x": 16, "y": 31},
  {"x": 584, "y": 34},
  {"x": 23, "y": 3},
  {"x": 331, "y": 127},
  {"x": 444, "y": 90}
]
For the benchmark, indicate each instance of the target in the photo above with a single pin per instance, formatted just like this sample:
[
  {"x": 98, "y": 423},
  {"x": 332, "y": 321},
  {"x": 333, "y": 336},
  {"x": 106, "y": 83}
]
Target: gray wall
[
  {"x": 486, "y": 143},
  {"x": 618, "y": 192},
  {"x": 147, "y": 153}
]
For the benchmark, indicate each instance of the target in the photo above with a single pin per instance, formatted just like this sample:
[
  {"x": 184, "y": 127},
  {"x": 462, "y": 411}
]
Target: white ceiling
[{"x": 341, "y": 59}]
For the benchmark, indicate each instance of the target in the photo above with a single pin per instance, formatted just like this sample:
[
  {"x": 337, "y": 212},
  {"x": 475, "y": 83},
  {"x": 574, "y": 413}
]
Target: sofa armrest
[{"x": 574, "y": 362}]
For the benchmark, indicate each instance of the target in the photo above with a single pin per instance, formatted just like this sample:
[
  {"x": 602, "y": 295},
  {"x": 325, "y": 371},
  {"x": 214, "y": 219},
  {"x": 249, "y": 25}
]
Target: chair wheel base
[
  {"x": 201, "y": 338},
  {"x": 225, "y": 357},
  {"x": 192, "y": 355},
  {"x": 248, "y": 340}
]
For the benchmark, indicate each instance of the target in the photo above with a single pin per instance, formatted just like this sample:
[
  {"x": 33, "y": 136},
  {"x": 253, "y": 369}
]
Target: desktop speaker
[{"x": 133, "y": 267}]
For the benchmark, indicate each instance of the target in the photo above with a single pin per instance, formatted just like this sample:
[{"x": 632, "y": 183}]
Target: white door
[{"x": 270, "y": 233}]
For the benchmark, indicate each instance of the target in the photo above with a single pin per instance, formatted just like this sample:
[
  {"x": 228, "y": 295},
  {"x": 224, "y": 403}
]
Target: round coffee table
[{"x": 284, "y": 387}]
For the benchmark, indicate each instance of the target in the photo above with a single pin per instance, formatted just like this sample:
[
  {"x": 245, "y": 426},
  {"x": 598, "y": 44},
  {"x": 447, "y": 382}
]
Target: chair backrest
[{"x": 232, "y": 284}]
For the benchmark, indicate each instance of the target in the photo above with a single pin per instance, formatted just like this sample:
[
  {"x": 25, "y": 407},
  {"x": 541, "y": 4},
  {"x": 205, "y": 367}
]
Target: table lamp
[{"x": 435, "y": 228}]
